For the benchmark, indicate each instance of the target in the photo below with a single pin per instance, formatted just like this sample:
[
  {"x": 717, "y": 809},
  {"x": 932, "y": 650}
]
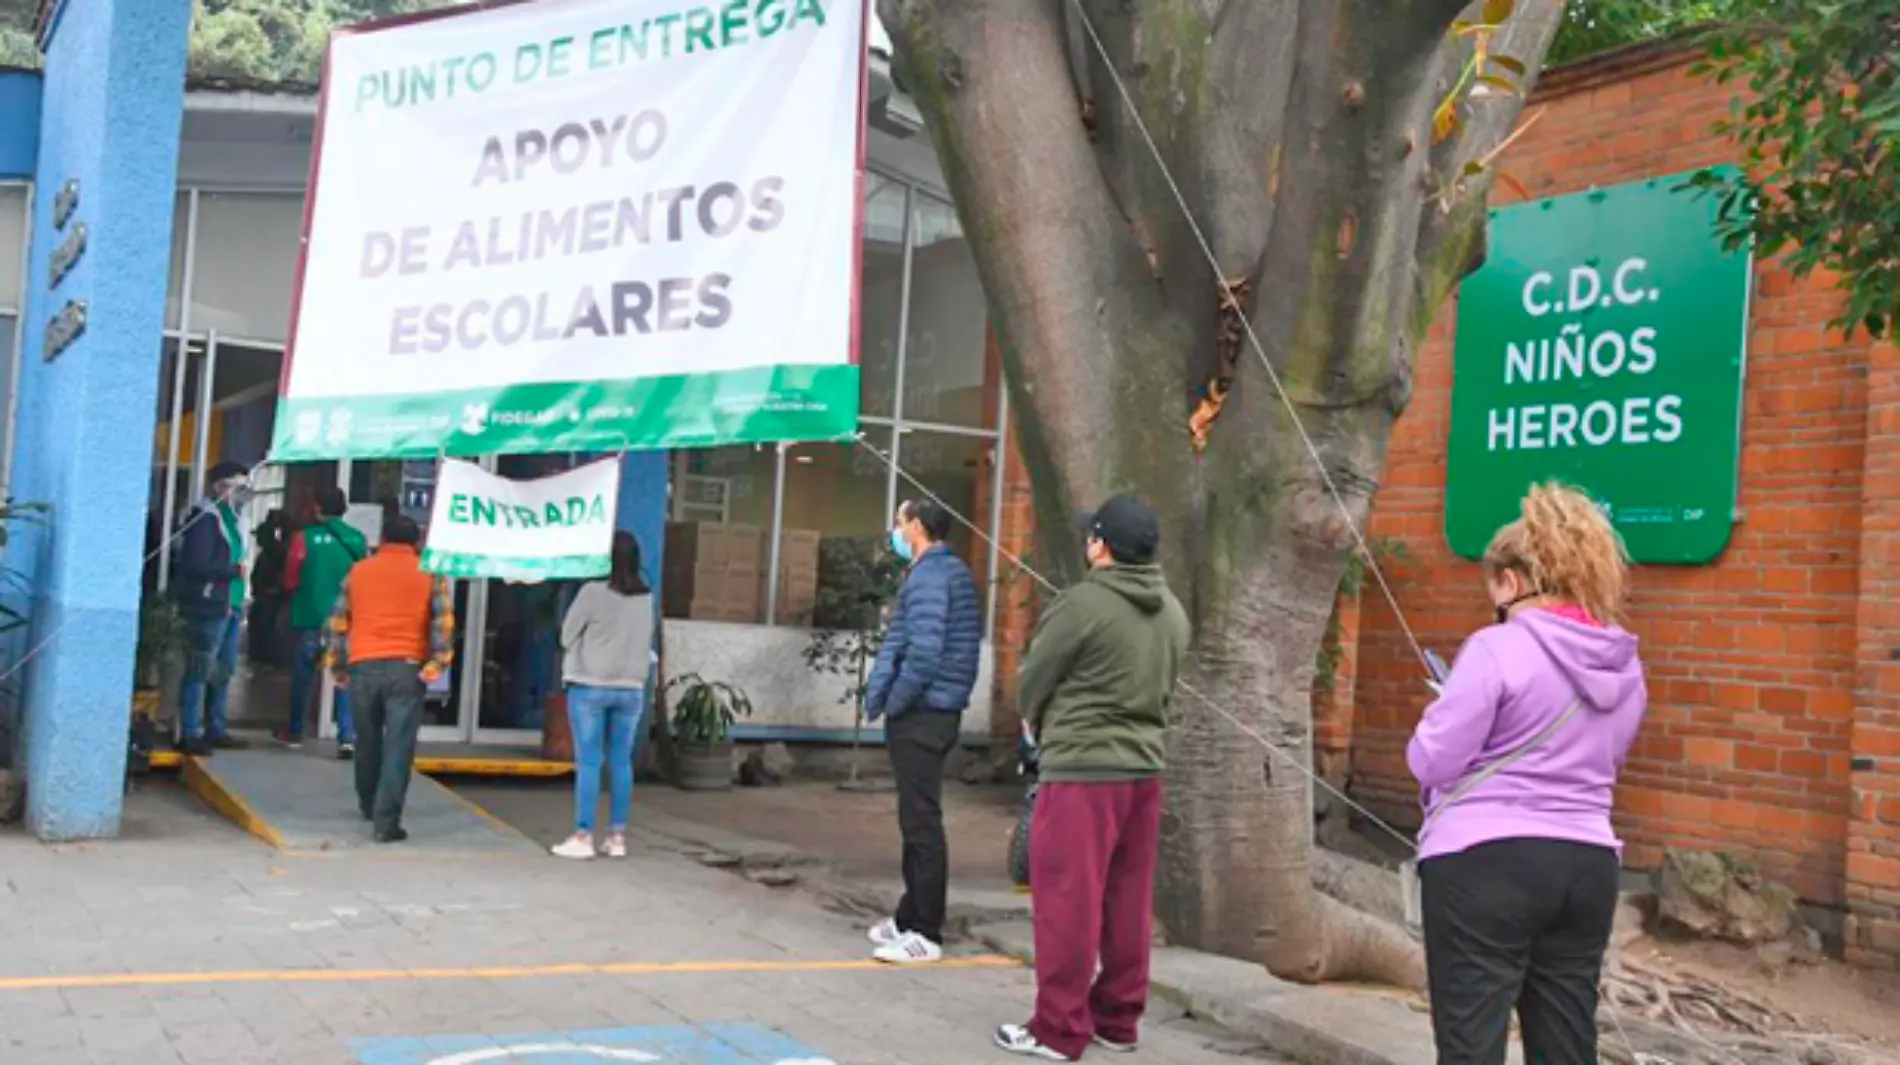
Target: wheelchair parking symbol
[{"x": 715, "y": 1044}]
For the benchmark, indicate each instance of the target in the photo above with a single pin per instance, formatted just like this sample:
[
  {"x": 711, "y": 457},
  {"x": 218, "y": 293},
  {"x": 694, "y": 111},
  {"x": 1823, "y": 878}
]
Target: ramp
[{"x": 298, "y": 802}]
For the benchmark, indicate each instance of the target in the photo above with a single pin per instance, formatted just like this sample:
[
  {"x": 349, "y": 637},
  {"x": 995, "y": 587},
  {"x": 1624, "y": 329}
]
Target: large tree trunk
[{"x": 1299, "y": 134}]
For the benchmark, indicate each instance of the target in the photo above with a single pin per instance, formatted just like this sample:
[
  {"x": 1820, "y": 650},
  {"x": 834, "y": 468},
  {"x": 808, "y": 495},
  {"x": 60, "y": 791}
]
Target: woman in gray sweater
[{"x": 608, "y": 636}]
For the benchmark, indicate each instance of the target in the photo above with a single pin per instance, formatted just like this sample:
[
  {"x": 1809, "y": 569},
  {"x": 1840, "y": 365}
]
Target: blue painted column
[
  {"x": 112, "y": 104},
  {"x": 644, "y": 476},
  {"x": 642, "y": 510}
]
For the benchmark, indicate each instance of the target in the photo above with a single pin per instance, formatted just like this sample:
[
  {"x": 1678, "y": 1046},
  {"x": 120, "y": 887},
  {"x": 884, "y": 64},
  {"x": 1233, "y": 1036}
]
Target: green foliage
[
  {"x": 704, "y": 711},
  {"x": 16, "y": 34},
  {"x": 268, "y": 41},
  {"x": 858, "y": 576},
  {"x": 1592, "y": 26},
  {"x": 1326, "y": 665},
  {"x": 278, "y": 41},
  {"x": 161, "y": 639},
  {"x": 1816, "y": 120}
]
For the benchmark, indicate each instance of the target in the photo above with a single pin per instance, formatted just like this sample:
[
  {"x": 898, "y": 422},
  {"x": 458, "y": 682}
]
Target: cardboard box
[{"x": 700, "y": 545}]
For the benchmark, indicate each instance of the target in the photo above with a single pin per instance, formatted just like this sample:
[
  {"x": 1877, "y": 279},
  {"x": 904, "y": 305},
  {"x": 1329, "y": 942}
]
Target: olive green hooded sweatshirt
[{"x": 1100, "y": 673}]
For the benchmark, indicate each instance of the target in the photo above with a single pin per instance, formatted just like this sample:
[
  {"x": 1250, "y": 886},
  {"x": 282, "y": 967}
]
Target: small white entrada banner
[
  {"x": 551, "y": 528},
  {"x": 581, "y": 225}
]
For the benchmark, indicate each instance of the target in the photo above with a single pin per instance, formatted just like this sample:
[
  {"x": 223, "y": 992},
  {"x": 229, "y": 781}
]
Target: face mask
[{"x": 900, "y": 545}]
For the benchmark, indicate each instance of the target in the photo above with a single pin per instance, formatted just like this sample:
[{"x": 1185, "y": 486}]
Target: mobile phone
[{"x": 1435, "y": 665}]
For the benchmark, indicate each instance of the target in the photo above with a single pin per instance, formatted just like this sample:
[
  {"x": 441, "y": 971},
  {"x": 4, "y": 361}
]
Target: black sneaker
[
  {"x": 391, "y": 835},
  {"x": 228, "y": 742},
  {"x": 288, "y": 741},
  {"x": 345, "y": 752},
  {"x": 196, "y": 747}
]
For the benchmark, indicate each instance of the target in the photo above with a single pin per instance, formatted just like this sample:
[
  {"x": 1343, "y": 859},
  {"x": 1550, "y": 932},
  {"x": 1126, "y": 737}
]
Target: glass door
[
  {"x": 377, "y": 489},
  {"x": 507, "y": 636},
  {"x": 519, "y": 628}
]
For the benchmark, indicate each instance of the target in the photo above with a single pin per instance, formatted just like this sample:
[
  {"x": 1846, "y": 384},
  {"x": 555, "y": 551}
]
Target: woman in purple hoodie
[{"x": 1518, "y": 760}]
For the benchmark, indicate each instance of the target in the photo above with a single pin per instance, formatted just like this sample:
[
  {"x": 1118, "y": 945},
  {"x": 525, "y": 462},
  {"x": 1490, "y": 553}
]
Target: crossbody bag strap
[{"x": 1467, "y": 785}]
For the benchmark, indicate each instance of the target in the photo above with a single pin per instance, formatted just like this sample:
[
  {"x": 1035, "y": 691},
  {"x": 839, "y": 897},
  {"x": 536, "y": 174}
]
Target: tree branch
[
  {"x": 1085, "y": 334},
  {"x": 1451, "y": 235}
]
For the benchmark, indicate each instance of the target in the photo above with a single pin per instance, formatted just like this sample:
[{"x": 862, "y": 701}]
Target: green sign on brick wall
[{"x": 1602, "y": 344}]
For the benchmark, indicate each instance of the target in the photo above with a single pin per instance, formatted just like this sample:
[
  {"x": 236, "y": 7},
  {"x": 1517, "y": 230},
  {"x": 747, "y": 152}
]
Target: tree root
[
  {"x": 1362, "y": 948},
  {"x": 1652, "y": 1016}
]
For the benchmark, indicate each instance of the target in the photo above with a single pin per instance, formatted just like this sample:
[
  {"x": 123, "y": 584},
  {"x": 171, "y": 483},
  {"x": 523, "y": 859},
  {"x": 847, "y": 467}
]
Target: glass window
[
  {"x": 882, "y": 298},
  {"x": 181, "y": 220},
  {"x": 9, "y": 372},
  {"x": 246, "y": 264},
  {"x": 837, "y": 516},
  {"x": 715, "y": 545},
  {"x": 949, "y": 319},
  {"x": 956, "y": 468},
  {"x": 13, "y": 230}
]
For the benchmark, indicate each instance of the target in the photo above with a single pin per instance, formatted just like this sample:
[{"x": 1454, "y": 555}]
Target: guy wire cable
[{"x": 1306, "y": 440}]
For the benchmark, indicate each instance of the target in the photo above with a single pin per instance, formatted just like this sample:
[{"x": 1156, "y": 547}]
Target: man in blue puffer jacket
[{"x": 925, "y": 671}]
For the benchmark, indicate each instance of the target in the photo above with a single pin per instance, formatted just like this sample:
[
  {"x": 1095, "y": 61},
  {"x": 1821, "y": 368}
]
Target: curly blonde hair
[{"x": 1565, "y": 548}]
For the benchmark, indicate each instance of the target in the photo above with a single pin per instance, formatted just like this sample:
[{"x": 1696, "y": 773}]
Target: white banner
[
  {"x": 577, "y": 225},
  {"x": 551, "y": 528}
]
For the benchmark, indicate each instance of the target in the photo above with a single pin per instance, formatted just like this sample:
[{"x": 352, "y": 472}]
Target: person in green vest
[
  {"x": 209, "y": 588},
  {"x": 321, "y": 555}
]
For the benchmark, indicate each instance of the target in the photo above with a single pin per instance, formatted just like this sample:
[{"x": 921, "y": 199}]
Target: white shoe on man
[
  {"x": 909, "y": 949},
  {"x": 885, "y": 932}
]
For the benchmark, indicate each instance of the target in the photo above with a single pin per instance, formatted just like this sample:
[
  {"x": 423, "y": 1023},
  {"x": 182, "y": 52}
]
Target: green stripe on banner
[
  {"x": 558, "y": 568},
  {"x": 688, "y": 410}
]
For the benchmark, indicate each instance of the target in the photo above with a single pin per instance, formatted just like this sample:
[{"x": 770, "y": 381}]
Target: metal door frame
[{"x": 469, "y": 667}]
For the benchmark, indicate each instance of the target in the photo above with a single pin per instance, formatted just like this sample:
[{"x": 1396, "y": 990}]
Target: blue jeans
[
  {"x": 306, "y": 689},
  {"x": 604, "y": 721},
  {"x": 211, "y": 654}
]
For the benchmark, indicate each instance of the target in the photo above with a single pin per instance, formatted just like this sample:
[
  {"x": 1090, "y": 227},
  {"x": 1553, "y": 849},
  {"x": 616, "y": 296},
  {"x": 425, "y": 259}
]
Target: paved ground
[
  {"x": 306, "y": 801},
  {"x": 189, "y": 942},
  {"x": 853, "y": 832}
]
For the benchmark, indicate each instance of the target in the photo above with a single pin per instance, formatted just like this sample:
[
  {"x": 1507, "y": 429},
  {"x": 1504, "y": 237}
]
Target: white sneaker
[
  {"x": 1016, "y": 1039},
  {"x": 909, "y": 949},
  {"x": 616, "y": 846},
  {"x": 885, "y": 932},
  {"x": 1113, "y": 1047},
  {"x": 579, "y": 847}
]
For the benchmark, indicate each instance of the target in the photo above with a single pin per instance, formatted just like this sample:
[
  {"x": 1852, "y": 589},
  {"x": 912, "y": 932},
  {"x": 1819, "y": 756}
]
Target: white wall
[{"x": 787, "y": 695}]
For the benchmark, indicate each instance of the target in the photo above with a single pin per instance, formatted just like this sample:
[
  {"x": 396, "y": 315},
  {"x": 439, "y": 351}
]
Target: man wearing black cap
[{"x": 1094, "y": 694}]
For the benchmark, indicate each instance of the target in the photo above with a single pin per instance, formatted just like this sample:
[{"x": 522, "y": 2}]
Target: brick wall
[
  {"x": 1774, "y": 728},
  {"x": 1872, "y": 872},
  {"x": 1754, "y": 661},
  {"x": 1017, "y": 601}
]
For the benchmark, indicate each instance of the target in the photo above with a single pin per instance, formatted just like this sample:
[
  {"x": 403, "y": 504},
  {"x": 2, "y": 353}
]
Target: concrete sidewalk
[{"x": 189, "y": 942}]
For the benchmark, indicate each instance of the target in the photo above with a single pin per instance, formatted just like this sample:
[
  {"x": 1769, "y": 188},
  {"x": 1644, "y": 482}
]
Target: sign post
[
  {"x": 1603, "y": 343},
  {"x": 581, "y": 225},
  {"x": 552, "y": 528}
]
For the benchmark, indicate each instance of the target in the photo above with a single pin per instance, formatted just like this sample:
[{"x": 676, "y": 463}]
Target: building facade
[
  {"x": 1773, "y": 677},
  {"x": 225, "y": 242}
]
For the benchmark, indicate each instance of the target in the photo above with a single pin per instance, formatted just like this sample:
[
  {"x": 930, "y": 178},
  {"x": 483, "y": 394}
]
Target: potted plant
[
  {"x": 703, "y": 712},
  {"x": 858, "y": 578},
  {"x": 158, "y": 663},
  {"x": 161, "y": 643}
]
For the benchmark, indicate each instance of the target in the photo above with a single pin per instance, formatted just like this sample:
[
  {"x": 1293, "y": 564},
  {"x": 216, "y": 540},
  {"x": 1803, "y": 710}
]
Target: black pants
[
  {"x": 387, "y": 698},
  {"x": 920, "y": 744},
  {"x": 1518, "y": 924}
]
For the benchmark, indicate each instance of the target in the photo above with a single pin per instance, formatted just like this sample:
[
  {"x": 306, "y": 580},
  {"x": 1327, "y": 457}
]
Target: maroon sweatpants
[{"x": 1092, "y": 855}]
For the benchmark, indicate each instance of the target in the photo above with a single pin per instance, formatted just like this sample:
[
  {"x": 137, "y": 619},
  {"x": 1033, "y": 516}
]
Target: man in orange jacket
[{"x": 391, "y": 635}]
